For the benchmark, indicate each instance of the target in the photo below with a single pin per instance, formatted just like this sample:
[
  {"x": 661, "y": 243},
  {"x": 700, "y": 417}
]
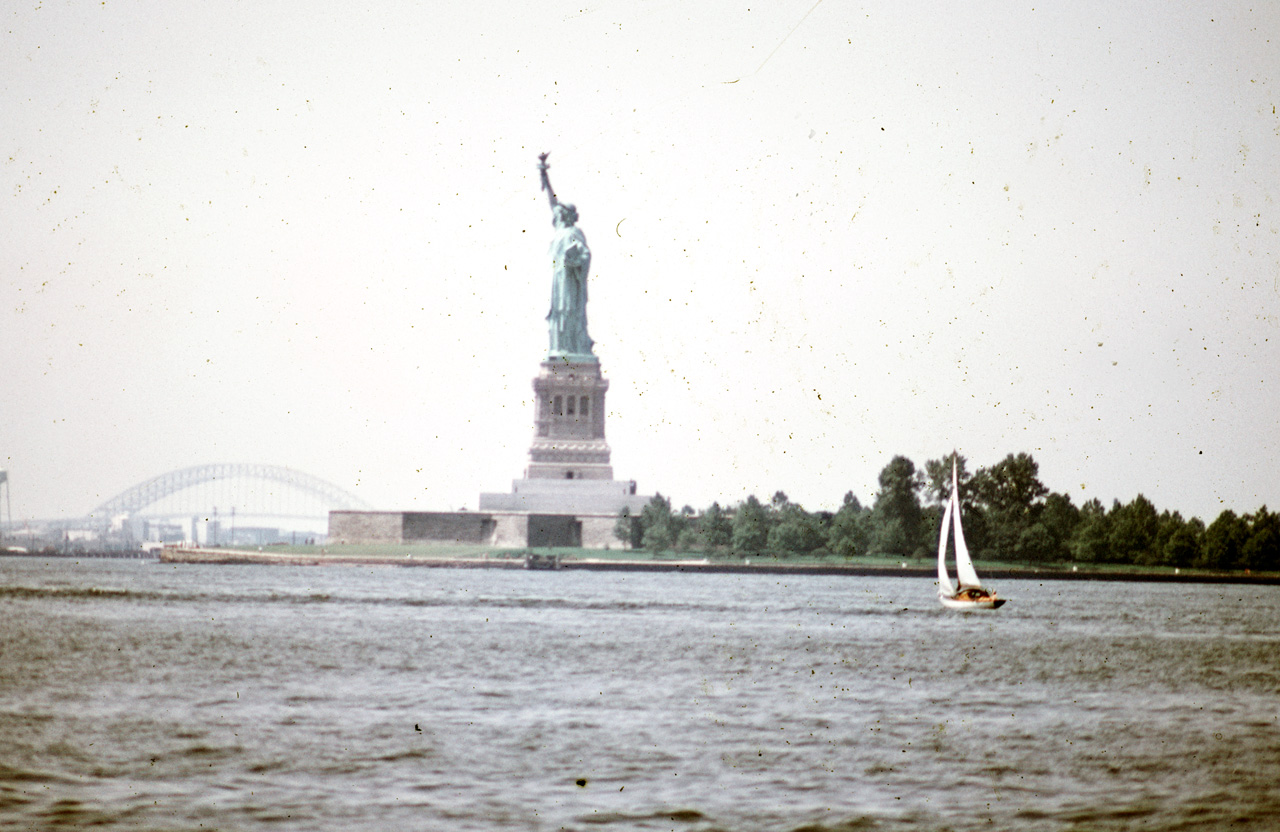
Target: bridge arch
[{"x": 147, "y": 493}]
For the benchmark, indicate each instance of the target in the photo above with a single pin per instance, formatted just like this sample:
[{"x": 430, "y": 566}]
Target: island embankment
[{"x": 466, "y": 558}]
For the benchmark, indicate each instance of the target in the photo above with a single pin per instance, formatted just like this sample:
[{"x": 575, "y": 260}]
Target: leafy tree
[
  {"x": 1133, "y": 532},
  {"x": 716, "y": 528},
  {"x": 890, "y": 537},
  {"x": 850, "y": 529},
  {"x": 1090, "y": 541},
  {"x": 628, "y": 529},
  {"x": 896, "y": 517},
  {"x": 1009, "y": 493},
  {"x": 1166, "y": 524},
  {"x": 937, "y": 478},
  {"x": 977, "y": 529},
  {"x": 1182, "y": 540},
  {"x": 1059, "y": 518},
  {"x": 796, "y": 531},
  {"x": 659, "y": 525},
  {"x": 1223, "y": 541},
  {"x": 689, "y": 539},
  {"x": 1035, "y": 544},
  {"x": 1261, "y": 549},
  {"x": 930, "y": 525},
  {"x": 786, "y": 538},
  {"x": 659, "y": 538},
  {"x": 750, "y": 526}
]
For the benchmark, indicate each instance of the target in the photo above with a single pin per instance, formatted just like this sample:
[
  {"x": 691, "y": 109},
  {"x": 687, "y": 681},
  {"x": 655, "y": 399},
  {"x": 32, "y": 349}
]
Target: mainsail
[
  {"x": 964, "y": 566},
  {"x": 944, "y": 580}
]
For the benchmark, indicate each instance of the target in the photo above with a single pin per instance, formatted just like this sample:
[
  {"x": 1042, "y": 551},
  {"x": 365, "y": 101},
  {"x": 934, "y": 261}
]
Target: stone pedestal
[
  {"x": 568, "y": 423},
  {"x": 568, "y": 472}
]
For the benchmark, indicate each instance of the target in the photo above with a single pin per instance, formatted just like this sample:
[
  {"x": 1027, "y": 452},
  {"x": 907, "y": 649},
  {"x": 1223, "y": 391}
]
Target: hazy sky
[{"x": 311, "y": 235}]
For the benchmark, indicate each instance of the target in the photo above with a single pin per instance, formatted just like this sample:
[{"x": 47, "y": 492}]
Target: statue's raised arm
[{"x": 546, "y": 181}]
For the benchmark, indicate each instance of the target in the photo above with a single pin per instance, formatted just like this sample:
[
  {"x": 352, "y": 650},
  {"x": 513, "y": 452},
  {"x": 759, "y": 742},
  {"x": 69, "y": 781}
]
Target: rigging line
[{"x": 779, "y": 46}]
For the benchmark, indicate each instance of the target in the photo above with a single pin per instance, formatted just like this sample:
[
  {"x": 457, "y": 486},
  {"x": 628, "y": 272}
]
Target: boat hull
[
  {"x": 970, "y": 595},
  {"x": 969, "y": 604}
]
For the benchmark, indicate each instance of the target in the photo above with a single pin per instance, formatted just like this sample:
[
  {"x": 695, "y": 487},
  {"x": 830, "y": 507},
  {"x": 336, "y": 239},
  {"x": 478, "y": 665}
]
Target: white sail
[
  {"x": 944, "y": 580},
  {"x": 964, "y": 565}
]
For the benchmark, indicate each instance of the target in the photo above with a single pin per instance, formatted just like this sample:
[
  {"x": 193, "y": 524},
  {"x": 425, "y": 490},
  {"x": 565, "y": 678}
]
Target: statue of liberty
[{"x": 570, "y": 261}]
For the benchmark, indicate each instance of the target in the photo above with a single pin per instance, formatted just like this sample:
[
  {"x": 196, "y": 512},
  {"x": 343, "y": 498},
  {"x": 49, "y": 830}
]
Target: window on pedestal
[
  {"x": 584, "y": 406},
  {"x": 557, "y": 407},
  {"x": 571, "y": 403}
]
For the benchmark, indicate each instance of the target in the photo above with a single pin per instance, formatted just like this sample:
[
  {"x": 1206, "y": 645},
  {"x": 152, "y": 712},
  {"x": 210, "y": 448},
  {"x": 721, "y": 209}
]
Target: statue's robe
[{"x": 567, "y": 320}]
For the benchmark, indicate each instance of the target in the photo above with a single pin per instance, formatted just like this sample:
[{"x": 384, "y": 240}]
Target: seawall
[{"x": 512, "y": 560}]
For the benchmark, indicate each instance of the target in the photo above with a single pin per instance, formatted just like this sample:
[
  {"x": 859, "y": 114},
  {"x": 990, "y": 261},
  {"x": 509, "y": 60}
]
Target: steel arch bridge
[{"x": 288, "y": 493}]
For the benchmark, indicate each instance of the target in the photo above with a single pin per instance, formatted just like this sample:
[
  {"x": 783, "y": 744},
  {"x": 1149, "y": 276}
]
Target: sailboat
[{"x": 970, "y": 595}]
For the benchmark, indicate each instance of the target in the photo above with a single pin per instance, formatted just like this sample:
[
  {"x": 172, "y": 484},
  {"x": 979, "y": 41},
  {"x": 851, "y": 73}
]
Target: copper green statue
[{"x": 570, "y": 261}]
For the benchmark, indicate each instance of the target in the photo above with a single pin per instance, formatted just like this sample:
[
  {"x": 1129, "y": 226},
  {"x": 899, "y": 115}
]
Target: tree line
[{"x": 1009, "y": 515}]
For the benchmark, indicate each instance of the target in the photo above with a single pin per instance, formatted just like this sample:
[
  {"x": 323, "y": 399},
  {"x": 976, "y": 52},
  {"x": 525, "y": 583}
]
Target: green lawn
[
  {"x": 442, "y": 551},
  {"x": 394, "y": 550}
]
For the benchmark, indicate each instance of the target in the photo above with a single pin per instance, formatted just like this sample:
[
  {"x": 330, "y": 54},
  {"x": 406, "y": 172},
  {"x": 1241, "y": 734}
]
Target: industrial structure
[{"x": 218, "y": 504}]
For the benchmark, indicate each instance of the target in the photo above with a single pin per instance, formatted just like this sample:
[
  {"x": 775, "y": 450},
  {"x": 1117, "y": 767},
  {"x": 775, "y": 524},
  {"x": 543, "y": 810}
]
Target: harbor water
[{"x": 136, "y": 695}]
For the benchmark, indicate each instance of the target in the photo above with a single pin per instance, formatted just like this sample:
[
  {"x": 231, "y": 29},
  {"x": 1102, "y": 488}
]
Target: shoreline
[{"x": 246, "y": 557}]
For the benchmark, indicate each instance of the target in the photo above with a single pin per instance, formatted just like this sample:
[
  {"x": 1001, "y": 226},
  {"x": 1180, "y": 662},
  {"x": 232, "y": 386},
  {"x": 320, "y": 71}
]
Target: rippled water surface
[{"x": 142, "y": 696}]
